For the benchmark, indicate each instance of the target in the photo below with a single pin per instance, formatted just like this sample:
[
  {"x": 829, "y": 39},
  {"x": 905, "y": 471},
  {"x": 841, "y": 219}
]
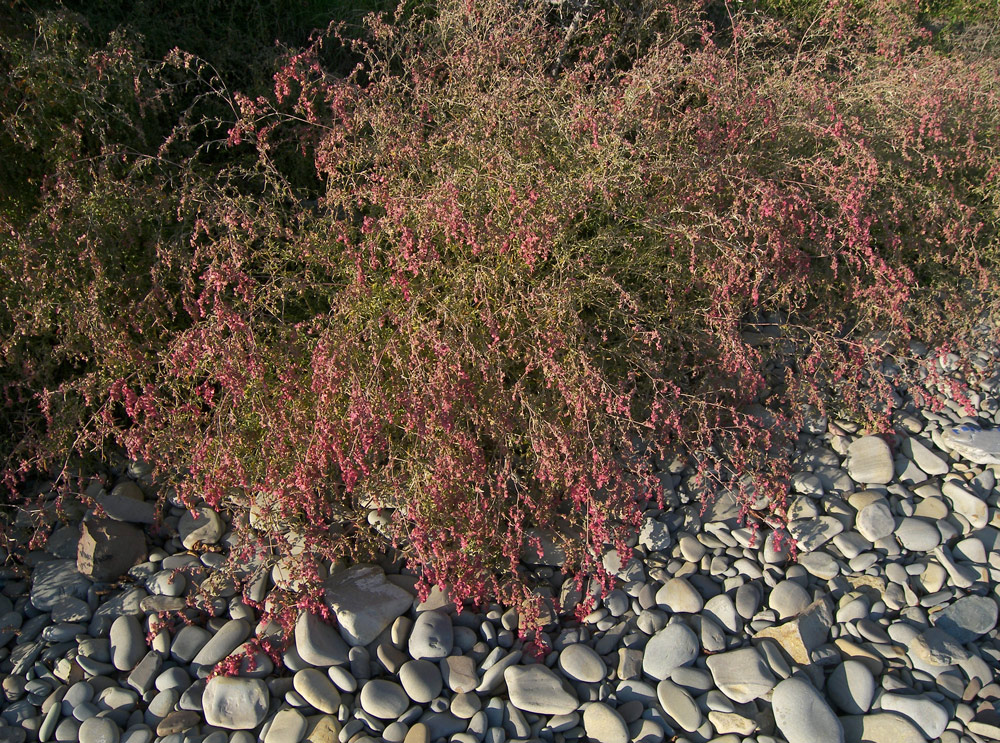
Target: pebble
[
  {"x": 364, "y": 602},
  {"x": 317, "y": 689},
  {"x": 741, "y": 674},
  {"x": 537, "y": 689},
  {"x": 603, "y": 724},
  {"x": 128, "y": 645},
  {"x": 802, "y": 715},
  {"x": 383, "y": 699},
  {"x": 582, "y": 663},
  {"x": 317, "y": 643},
  {"x": 421, "y": 680},
  {"x": 883, "y": 727},
  {"x": 967, "y": 618},
  {"x": 929, "y": 716},
  {"x": 869, "y": 461},
  {"x": 98, "y": 730},
  {"x": 432, "y": 636},
  {"x": 235, "y": 703},
  {"x": 851, "y": 686},
  {"x": 875, "y": 521},
  {"x": 679, "y": 704},
  {"x": 288, "y": 726},
  {"x": 679, "y": 596},
  {"x": 917, "y": 535},
  {"x": 673, "y": 646},
  {"x": 201, "y": 525}
]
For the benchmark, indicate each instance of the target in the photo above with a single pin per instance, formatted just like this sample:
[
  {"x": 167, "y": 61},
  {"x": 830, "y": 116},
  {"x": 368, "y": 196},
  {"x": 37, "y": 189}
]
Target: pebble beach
[{"x": 882, "y": 627}]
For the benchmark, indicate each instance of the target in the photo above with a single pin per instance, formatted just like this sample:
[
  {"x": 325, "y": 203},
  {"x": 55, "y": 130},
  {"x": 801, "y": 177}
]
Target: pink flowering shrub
[{"x": 499, "y": 268}]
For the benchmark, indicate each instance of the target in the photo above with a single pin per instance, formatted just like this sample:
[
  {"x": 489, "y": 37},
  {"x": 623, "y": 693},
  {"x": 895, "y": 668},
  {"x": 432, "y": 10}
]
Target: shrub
[{"x": 496, "y": 273}]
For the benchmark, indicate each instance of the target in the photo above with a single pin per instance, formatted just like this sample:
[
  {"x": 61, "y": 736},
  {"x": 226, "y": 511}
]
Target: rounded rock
[
  {"x": 674, "y": 646},
  {"x": 875, "y": 521},
  {"x": 604, "y": 724},
  {"x": 679, "y": 596},
  {"x": 203, "y": 525},
  {"x": 421, "y": 680},
  {"x": 679, "y": 704},
  {"x": 128, "y": 646},
  {"x": 288, "y": 726},
  {"x": 537, "y": 689},
  {"x": 432, "y": 636},
  {"x": 851, "y": 686},
  {"x": 317, "y": 689},
  {"x": 235, "y": 703},
  {"x": 802, "y": 715},
  {"x": 383, "y": 699},
  {"x": 98, "y": 730},
  {"x": 582, "y": 663}
]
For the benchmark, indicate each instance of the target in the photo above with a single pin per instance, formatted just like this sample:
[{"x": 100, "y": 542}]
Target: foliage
[{"x": 489, "y": 276}]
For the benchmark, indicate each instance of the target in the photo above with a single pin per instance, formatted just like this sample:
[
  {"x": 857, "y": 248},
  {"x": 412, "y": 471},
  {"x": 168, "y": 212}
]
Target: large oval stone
[
  {"x": 235, "y": 703},
  {"x": 537, "y": 689}
]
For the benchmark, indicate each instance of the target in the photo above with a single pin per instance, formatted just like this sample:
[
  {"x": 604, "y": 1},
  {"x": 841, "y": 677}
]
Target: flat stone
[
  {"x": 813, "y": 533},
  {"x": 288, "y": 726},
  {"x": 722, "y": 609},
  {"x": 802, "y": 715},
  {"x": 121, "y": 507},
  {"x": 107, "y": 549},
  {"x": 967, "y": 618},
  {"x": 805, "y": 633},
  {"x": 235, "y": 703},
  {"x": 128, "y": 644},
  {"x": 880, "y": 727},
  {"x": 929, "y": 716},
  {"x": 923, "y": 457},
  {"x": 604, "y": 724},
  {"x": 53, "y": 579},
  {"x": 229, "y": 637},
  {"x": 459, "y": 673},
  {"x": 654, "y": 535},
  {"x": 99, "y": 730},
  {"x": 418, "y": 733},
  {"x": 317, "y": 643},
  {"x": 936, "y": 647},
  {"x": 383, "y": 699},
  {"x": 201, "y": 525},
  {"x": 322, "y": 729},
  {"x": 582, "y": 663},
  {"x": 742, "y": 675},
  {"x": 421, "y": 680},
  {"x": 966, "y": 503},
  {"x": 976, "y": 444},
  {"x": 691, "y": 549},
  {"x": 537, "y": 689},
  {"x": 188, "y": 642},
  {"x": 317, "y": 689},
  {"x": 820, "y": 564},
  {"x": 875, "y": 521},
  {"x": 673, "y": 646},
  {"x": 788, "y": 598},
  {"x": 177, "y": 722},
  {"x": 70, "y": 609},
  {"x": 364, "y": 602},
  {"x": 432, "y": 636},
  {"x": 917, "y": 534},
  {"x": 869, "y": 461},
  {"x": 851, "y": 686},
  {"x": 680, "y": 705},
  {"x": 679, "y": 596},
  {"x": 144, "y": 675}
]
